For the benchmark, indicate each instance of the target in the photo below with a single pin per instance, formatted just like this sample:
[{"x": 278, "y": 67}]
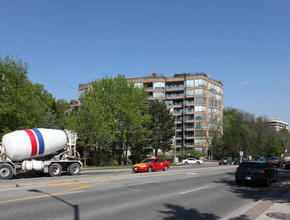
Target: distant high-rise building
[
  {"x": 277, "y": 125},
  {"x": 195, "y": 100}
]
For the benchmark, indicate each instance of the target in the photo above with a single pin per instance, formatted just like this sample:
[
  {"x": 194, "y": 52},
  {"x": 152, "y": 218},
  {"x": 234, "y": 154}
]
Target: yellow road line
[
  {"x": 69, "y": 184},
  {"x": 81, "y": 186}
]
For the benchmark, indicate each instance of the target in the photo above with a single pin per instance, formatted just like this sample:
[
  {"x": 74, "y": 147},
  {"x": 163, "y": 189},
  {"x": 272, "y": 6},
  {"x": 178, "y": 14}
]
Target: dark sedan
[
  {"x": 259, "y": 172},
  {"x": 237, "y": 161},
  {"x": 287, "y": 165}
]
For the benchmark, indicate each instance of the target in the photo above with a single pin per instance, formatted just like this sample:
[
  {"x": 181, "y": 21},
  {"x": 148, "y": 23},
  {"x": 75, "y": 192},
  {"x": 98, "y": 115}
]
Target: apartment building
[
  {"x": 277, "y": 125},
  {"x": 195, "y": 100}
]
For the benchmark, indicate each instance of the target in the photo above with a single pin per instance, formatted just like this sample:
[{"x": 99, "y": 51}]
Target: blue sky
[{"x": 243, "y": 43}]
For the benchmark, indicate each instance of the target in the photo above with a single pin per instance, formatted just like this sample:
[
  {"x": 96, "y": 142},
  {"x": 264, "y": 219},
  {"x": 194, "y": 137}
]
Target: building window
[
  {"x": 200, "y": 125},
  {"x": 168, "y": 103},
  {"x": 189, "y": 92},
  {"x": 215, "y": 96},
  {"x": 215, "y": 88},
  {"x": 158, "y": 94},
  {"x": 158, "y": 85},
  {"x": 200, "y": 108},
  {"x": 214, "y": 118},
  {"x": 199, "y": 141},
  {"x": 200, "y": 100},
  {"x": 214, "y": 111},
  {"x": 189, "y": 83},
  {"x": 138, "y": 85},
  {"x": 214, "y": 126},
  {"x": 200, "y": 133},
  {"x": 215, "y": 103},
  {"x": 200, "y": 117},
  {"x": 199, "y": 92},
  {"x": 189, "y": 109},
  {"x": 200, "y": 82}
]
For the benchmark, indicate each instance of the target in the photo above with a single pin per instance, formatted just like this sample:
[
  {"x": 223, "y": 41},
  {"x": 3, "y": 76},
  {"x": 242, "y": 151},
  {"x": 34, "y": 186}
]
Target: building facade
[
  {"x": 195, "y": 100},
  {"x": 277, "y": 125}
]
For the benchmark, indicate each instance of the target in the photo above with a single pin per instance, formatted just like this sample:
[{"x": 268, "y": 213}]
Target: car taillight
[
  {"x": 237, "y": 170},
  {"x": 263, "y": 171}
]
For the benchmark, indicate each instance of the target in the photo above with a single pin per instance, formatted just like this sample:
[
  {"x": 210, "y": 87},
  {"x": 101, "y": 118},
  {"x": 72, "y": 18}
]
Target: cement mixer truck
[{"x": 44, "y": 151}]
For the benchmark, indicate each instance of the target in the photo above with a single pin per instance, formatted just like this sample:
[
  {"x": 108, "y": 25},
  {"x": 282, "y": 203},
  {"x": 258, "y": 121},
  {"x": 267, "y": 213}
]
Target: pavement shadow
[
  {"x": 258, "y": 192},
  {"x": 241, "y": 217},
  {"x": 75, "y": 207},
  {"x": 176, "y": 212}
]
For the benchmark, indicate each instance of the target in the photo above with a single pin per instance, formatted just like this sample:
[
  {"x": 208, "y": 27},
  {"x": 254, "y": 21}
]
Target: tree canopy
[
  {"x": 112, "y": 116},
  {"x": 253, "y": 136},
  {"x": 161, "y": 126},
  {"x": 24, "y": 105}
]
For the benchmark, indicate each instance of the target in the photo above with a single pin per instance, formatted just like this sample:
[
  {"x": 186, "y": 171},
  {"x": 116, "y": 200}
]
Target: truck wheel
[
  {"x": 6, "y": 171},
  {"x": 74, "y": 169},
  {"x": 55, "y": 169}
]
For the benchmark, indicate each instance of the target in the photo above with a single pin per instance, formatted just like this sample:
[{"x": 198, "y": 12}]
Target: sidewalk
[{"x": 277, "y": 206}]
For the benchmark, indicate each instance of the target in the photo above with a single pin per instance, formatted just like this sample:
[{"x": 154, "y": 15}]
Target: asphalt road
[{"x": 191, "y": 192}]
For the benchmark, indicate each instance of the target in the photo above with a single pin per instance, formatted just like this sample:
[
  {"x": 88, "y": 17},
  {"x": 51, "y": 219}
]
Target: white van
[{"x": 286, "y": 159}]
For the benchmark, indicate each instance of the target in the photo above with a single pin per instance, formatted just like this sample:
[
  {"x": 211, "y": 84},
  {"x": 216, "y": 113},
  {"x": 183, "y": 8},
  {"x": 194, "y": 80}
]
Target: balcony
[
  {"x": 177, "y": 113},
  {"x": 189, "y": 112},
  {"x": 149, "y": 89},
  {"x": 178, "y": 121},
  {"x": 188, "y": 103},
  {"x": 175, "y": 88},
  {"x": 189, "y": 145},
  {"x": 189, "y": 128},
  {"x": 189, "y": 136},
  {"x": 174, "y": 96},
  {"x": 189, "y": 119}
]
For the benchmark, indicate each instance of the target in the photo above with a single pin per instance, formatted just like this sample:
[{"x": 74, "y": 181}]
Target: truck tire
[
  {"x": 74, "y": 169},
  {"x": 6, "y": 171},
  {"x": 55, "y": 169}
]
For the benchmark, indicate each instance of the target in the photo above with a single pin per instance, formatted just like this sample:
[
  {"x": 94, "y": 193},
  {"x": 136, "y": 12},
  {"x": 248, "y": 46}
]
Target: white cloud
[{"x": 244, "y": 83}]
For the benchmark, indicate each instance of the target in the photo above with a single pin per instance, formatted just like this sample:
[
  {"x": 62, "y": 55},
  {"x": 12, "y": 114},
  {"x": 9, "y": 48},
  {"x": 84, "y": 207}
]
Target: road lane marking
[
  {"x": 69, "y": 184},
  {"x": 193, "y": 190},
  {"x": 191, "y": 174},
  {"x": 136, "y": 184},
  {"x": 80, "y": 186}
]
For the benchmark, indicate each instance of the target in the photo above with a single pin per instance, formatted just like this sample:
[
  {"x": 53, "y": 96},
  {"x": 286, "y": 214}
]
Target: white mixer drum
[{"x": 24, "y": 144}]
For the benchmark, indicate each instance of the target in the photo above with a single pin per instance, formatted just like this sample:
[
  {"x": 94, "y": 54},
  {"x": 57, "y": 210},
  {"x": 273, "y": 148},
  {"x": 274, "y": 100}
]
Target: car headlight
[{"x": 144, "y": 166}]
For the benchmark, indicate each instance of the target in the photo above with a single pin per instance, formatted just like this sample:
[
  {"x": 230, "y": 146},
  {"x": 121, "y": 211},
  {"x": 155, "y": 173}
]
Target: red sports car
[{"x": 151, "y": 164}]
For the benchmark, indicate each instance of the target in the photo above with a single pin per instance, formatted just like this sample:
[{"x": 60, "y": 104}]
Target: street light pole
[{"x": 175, "y": 142}]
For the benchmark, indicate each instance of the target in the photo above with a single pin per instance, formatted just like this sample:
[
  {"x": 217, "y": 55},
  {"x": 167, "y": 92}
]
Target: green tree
[
  {"x": 112, "y": 116},
  {"x": 219, "y": 149},
  {"x": 236, "y": 133},
  {"x": 194, "y": 153},
  {"x": 161, "y": 126},
  {"x": 275, "y": 148},
  {"x": 61, "y": 106},
  {"x": 21, "y": 106}
]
